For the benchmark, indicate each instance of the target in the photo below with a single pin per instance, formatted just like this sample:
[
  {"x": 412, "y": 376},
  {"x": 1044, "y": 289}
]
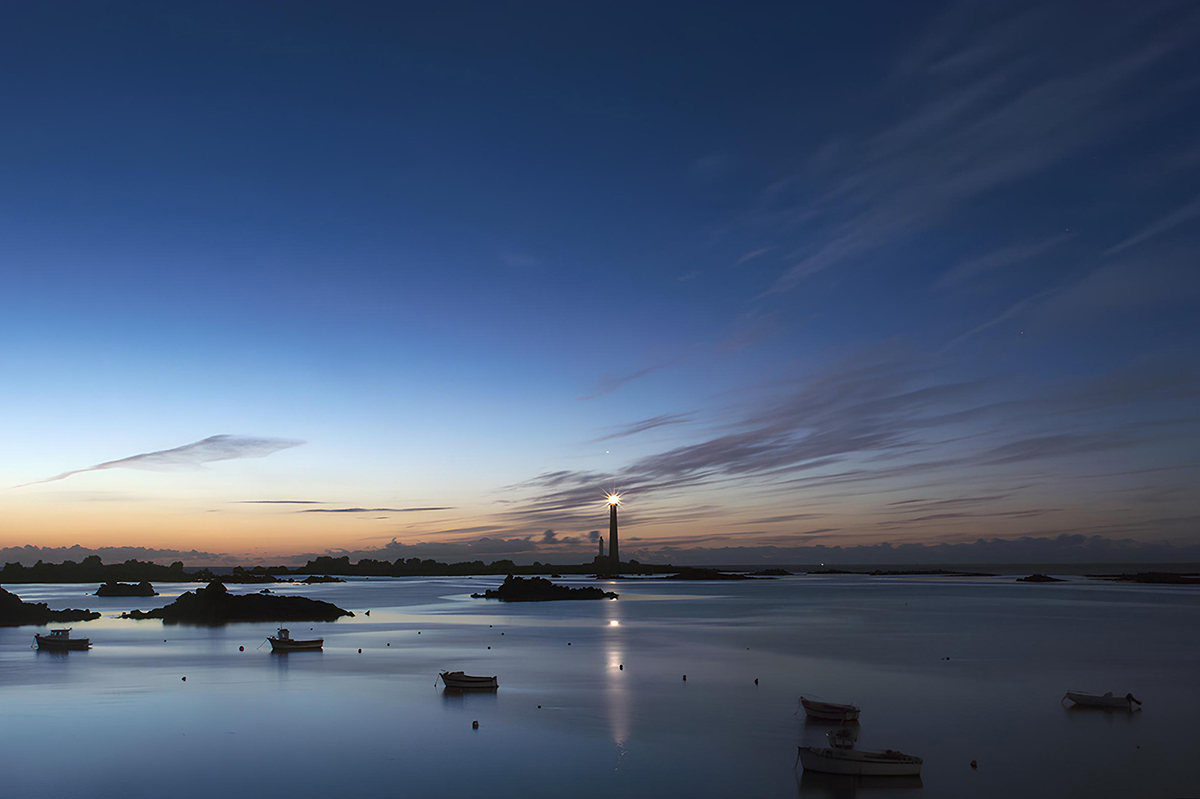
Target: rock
[
  {"x": 213, "y": 604},
  {"x": 114, "y": 588},
  {"x": 1039, "y": 578},
  {"x": 14, "y": 612},
  {"x": 539, "y": 589}
]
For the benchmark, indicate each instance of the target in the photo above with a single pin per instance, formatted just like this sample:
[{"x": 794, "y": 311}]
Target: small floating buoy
[
  {"x": 502, "y": 633},
  {"x": 621, "y": 667},
  {"x": 389, "y": 643},
  {"x": 360, "y": 651},
  {"x": 568, "y": 643},
  {"x": 974, "y": 765},
  {"x": 489, "y": 625},
  {"x": 539, "y": 707},
  {"x": 418, "y": 632},
  {"x": 685, "y": 678},
  {"x": 756, "y": 681},
  {"x": 474, "y": 725},
  {"x": 489, "y": 647},
  {"x": 241, "y": 649},
  {"x": 183, "y": 679},
  {"x": 368, "y": 613}
]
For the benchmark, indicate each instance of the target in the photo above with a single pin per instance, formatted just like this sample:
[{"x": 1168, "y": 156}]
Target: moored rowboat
[
  {"x": 829, "y": 711},
  {"x": 457, "y": 681},
  {"x": 866, "y": 764},
  {"x": 1109, "y": 701}
]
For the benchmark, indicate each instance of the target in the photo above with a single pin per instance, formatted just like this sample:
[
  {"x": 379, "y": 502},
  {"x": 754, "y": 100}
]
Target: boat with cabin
[
  {"x": 457, "y": 681},
  {"x": 1107, "y": 701},
  {"x": 61, "y": 641},
  {"x": 829, "y": 711},
  {"x": 283, "y": 642}
]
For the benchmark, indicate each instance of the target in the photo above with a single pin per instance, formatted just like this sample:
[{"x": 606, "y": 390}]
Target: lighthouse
[{"x": 614, "y": 556}]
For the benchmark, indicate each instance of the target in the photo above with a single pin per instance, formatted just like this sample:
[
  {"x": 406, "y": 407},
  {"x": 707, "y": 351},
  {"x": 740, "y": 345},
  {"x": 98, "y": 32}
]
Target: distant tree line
[{"x": 93, "y": 570}]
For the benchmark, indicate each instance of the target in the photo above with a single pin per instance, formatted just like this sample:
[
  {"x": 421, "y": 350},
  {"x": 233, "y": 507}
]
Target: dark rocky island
[
  {"x": 1039, "y": 578},
  {"x": 771, "y": 573},
  {"x": 539, "y": 589},
  {"x": 14, "y": 612},
  {"x": 213, "y": 604},
  {"x": 113, "y": 588},
  {"x": 319, "y": 578}
]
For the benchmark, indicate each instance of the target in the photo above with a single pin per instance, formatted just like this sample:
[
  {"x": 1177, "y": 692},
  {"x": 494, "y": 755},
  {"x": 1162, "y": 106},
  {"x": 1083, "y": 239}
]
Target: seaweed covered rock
[
  {"x": 14, "y": 612},
  {"x": 213, "y": 604},
  {"x": 113, "y": 588},
  {"x": 539, "y": 589}
]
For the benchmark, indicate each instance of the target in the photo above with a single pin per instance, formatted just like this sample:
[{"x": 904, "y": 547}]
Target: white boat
[
  {"x": 61, "y": 641},
  {"x": 1108, "y": 701},
  {"x": 457, "y": 681},
  {"x": 863, "y": 764},
  {"x": 829, "y": 711},
  {"x": 284, "y": 642}
]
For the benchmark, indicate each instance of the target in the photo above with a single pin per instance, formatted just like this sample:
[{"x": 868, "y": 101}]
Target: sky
[{"x": 429, "y": 279}]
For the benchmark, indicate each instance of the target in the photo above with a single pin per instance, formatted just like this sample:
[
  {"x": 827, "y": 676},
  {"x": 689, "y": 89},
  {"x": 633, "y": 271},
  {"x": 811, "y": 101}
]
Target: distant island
[
  {"x": 691, "y": 573},
  {"x": 213, "y": 604},
  {"x": 539, "y": 589},
  {"x": 904, "y": 573},
  {"x": 1154, "y": 578},
  {"x": 14, "y": 612},
  {"x": 1040, "y": 578},
  {"x": 113, "y": 588}
]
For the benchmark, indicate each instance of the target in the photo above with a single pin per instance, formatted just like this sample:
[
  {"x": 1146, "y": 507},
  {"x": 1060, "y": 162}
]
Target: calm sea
[{"x": 119, "y": 720}]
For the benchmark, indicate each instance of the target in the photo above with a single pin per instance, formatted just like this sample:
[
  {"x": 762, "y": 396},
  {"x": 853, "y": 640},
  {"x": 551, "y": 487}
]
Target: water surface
[{"x": 119, "y": 720}]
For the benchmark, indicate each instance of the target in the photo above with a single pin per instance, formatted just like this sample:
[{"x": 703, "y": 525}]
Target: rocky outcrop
[
  {"x": 14, "y": 612},
  {"x": 539, "y": 589},
  {"x": 213, "y": 604},
  {"x": 1040, "y": 578}
]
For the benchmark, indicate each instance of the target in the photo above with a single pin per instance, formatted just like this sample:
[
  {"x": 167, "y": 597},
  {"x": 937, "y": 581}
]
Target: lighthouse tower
[{"x": 614, "y": 554}]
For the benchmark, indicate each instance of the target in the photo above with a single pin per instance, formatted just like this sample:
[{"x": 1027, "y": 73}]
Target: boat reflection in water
[{"x": 842, "y": 786}]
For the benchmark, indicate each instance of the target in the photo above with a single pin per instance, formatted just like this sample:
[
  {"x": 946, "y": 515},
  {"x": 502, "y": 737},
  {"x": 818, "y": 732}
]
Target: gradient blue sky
[{"x": 785, "y": 273}]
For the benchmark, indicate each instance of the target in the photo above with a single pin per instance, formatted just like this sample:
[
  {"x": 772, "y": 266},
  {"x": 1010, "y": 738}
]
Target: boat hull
[
  {"x": 859, "y": 764},
  {"x": 69, "y": 645},
  {"x": 463, "y": 682},
  {"x": 314, "y": 645},
  {"x": 829, "y": 711},
  {"x": 1108, "y": 701}
]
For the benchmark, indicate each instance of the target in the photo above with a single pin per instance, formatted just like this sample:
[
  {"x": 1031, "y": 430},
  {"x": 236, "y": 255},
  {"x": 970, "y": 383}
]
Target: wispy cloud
[
  {"x": 1001, "y": 258},
  {"x": 1005, "y": 109},
  {"x": 208, "y": 450},
  {"x": 372, "y": 510},
  {"x": 609, "y": 384},
  {"x": 1180, "y": 216},
  {"x": 641, "y": 426},
  {"x": 279, "y": 502}
]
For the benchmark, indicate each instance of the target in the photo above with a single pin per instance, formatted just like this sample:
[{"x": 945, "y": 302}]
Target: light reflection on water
[{"x": 119, "y": 720}]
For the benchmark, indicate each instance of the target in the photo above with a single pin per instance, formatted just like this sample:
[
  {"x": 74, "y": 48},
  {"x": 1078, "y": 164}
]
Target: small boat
[
  {"x": 284, "y": 642},
  {"x": 864, "y": 764},
  {"x": 457, "y": 681},
  {"x": 829, "y": 711},
  {"x": 1107, "y": 701},
  {"x": 61, "y": 641}
]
